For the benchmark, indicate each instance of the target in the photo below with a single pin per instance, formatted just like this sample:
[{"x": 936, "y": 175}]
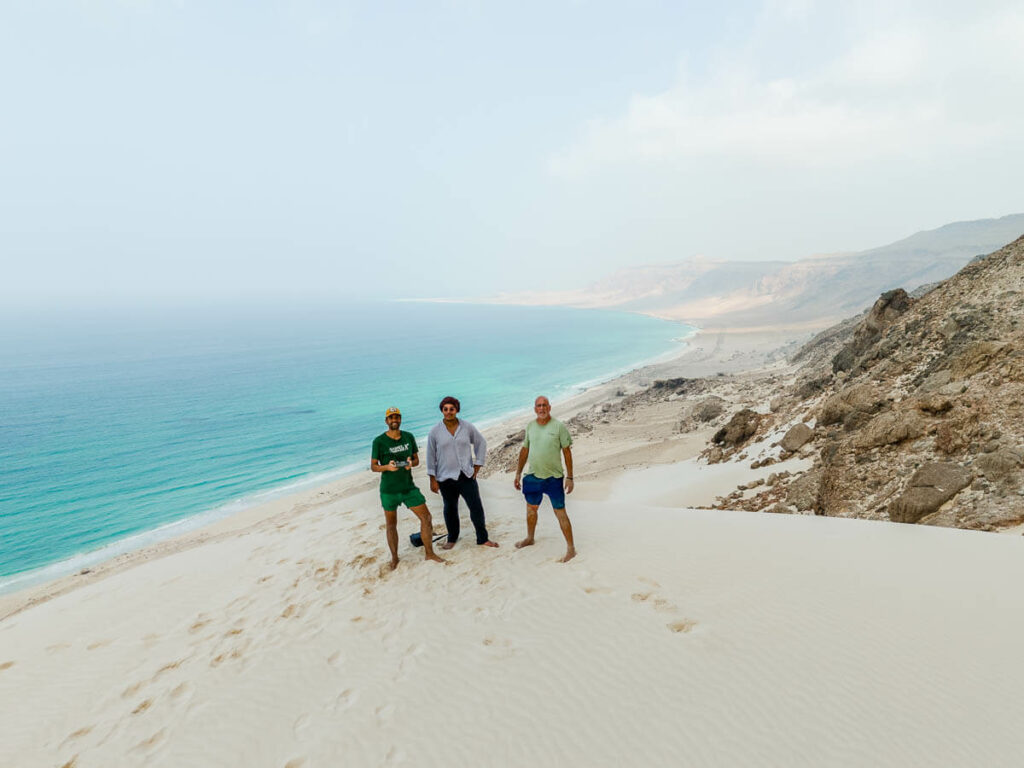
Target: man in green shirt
[
  {"x": 547, "y": 441},
  {"x": 394, "y": 454}
]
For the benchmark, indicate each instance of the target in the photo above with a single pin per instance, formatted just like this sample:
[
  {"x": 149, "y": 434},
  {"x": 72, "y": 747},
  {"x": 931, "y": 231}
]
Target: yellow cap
[{"x": 392, "y": 412}]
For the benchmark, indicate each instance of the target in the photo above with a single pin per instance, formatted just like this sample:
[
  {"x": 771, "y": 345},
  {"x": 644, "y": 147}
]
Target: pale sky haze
[{"x": 163, "y": 151}]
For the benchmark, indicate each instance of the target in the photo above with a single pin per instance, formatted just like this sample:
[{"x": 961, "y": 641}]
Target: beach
[{"x": 677, "y": 636}]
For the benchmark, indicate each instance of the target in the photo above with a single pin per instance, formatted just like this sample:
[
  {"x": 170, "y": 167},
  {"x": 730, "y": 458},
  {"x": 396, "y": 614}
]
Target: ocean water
[{"x": 119, "y": 428}]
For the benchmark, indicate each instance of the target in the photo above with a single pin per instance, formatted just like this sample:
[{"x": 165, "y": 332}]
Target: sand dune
[{"x": 677, "y": 637}]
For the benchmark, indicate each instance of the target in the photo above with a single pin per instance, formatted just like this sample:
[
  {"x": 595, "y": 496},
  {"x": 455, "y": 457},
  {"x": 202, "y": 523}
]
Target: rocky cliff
[{"x": 912, "y": 412}]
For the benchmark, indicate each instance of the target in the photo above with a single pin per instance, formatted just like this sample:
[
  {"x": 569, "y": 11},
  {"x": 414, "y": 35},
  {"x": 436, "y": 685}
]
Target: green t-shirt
[
  {"x": 385, "y": 450},
  {"x": 545, "y": 444}
]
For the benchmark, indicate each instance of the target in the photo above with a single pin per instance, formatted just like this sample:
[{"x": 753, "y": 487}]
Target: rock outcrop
[
  {"x": 918, "y": 407},
  {"x": 929, "y": 488}
]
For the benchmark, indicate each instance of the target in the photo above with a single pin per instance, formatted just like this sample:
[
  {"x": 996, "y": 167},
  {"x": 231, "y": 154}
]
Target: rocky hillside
[{"x": 913, "y": 412}]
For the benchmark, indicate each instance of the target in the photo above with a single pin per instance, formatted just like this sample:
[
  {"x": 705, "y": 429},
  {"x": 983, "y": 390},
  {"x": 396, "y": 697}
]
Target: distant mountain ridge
[{"x": 811, "y": 292}]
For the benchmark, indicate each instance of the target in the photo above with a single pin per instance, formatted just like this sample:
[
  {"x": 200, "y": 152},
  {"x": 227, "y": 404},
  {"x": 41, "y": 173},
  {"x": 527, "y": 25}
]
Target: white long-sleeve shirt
[{"x": 449, "y": 455}]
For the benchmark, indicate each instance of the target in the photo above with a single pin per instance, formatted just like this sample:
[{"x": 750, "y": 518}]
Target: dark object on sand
[{"x": 417, "y": 540}]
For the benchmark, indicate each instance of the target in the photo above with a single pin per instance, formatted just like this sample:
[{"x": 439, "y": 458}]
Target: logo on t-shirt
[{"x": 399, "y": 448}]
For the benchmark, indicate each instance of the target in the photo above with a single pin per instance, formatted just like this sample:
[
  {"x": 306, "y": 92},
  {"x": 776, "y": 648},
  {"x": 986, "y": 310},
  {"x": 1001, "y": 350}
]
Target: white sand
[{"x": 676, "y": 637}]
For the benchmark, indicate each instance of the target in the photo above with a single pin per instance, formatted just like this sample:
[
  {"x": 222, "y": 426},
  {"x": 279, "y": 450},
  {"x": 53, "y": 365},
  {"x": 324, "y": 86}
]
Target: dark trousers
[{"x": 467, "y": 488}]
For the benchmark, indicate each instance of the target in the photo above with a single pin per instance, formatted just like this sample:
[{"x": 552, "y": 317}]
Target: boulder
[
  {"x": 862, "y": 397},
  {"x": 889, "y": 429},
  {"x": 858, "y": 397},
  {"x": 707, "y": 409},
  {"x": 929, "y": 488},
  {"x": 741, "y": 427},
  {"x": 803, "y": 492},
  {"x": 1002, "y": 466},
  {"x": 797, "y": 435},
  {"x": 934, "y": 404},
  {"x": 975, "y": 359},
  {"x": 889, "y": 306},
  {"x": 833, "y": 411},
  {"x": 811, "y": 387}
]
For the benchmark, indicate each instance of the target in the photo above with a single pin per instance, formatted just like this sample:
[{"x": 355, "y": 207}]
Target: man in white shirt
[{"x": 455, "y": 452}]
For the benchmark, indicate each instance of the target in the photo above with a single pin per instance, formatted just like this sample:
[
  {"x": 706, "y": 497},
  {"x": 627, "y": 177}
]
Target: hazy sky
[{"x": 167, "y": 150}]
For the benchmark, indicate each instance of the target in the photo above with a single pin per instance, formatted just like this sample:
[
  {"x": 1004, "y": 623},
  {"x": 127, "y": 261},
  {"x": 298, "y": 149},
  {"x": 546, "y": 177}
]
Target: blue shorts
[{"x": 534, "y": 489}]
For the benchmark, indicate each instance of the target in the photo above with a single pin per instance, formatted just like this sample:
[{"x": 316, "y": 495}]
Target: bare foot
[
  {"x": 435, "y": 558},
  {"x": 394, "y": 563},
  {"x": 569, "y": 555},
  {"x": 489, "y": 544},
  {"x": 524, "y": 543},
  {"x": 448, "y": 545}
]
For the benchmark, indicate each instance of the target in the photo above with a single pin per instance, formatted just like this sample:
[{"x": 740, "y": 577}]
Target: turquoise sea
[{"x": 120, "y": 427}]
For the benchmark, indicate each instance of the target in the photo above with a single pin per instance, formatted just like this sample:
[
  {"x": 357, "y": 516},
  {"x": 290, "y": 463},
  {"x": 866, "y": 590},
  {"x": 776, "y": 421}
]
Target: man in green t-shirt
[
  {"x": 546, "y": 442},
  {"x": 394, "y": 454}
]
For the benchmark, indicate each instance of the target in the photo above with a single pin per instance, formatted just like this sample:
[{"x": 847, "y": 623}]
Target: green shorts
[{"x": 411, "y": 498}]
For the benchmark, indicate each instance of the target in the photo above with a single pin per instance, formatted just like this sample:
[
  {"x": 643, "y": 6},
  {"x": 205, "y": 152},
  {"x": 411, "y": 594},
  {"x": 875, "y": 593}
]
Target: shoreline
[
  {"x": 142, "y": 540},
  {"x": 699, "y": 352},
  {"x": 281, "y": 637}
]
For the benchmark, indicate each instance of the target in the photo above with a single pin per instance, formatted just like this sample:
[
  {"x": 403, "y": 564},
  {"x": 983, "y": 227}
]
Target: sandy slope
[{"x": 676, "y": 637}]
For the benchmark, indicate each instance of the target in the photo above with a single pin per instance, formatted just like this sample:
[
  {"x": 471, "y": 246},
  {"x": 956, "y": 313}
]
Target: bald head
[{"x": 542, "y": 407}]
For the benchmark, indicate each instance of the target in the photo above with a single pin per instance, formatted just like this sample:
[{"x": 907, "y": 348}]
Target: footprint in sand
[
  {"x": 200, "y": 622},
  {"x": 345, "y": 699},
  {"x": 232, "y": 655},
  {"x": 167, "y": 668},
  {"x": 362, "y": 561},
  {"x": 683, "y": 625},
  {"x": 57, "y": 647},
  {"x": 181, "y": 692},
  {"x": 131, "y": 690},
  {"x": 6, "y": 665},
  {"x": 409, "y": 657},
  {"x": 336, "y": 659},
  {"x": 499, "y": 647},
  {"x": 143, "y": 706},
  {"x": 240, "y": 604},
  {"x": 296, "y": 762},
  {"x": 98, "y": 644},
  {"x": 76, "y": 735},
  {"x": 384, "y": 713},
  {"x": 301, "y": 725},
  {"x": 663, "y": 606},
  {"x": 152, "y": 742}
]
